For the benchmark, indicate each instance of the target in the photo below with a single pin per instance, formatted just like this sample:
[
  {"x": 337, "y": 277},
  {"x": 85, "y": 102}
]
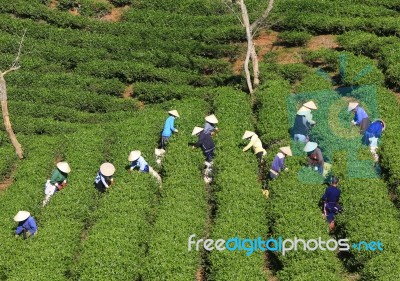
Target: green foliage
[
  {"x": 294, "y": 38},
  {"x": 239, "y": 198},
  {"x": 293, "y": 72},
  {"x": 272, "y": 121}
]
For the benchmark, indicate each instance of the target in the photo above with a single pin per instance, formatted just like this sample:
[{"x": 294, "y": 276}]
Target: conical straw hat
[
  {"x": 286, "y": 150},
  {"x": 174, "y": 113},
  {"x": 303, "y": 110},
  {"x": 134, "y": 155},
  {"x": 310, "y": 146},
  {"x": 63, "y": 167},
  {"x": 212, "y": 119},
  {"x": 107, "y": 169},
  {"x": 21, "y": 216},
  {"x": 384, "y": 124},
  {"x": 310, "y": 104},
  {"x": 247, "y": 135},
  {"x": 196, "y": 130},
  {"x": 352, "y": 105}
]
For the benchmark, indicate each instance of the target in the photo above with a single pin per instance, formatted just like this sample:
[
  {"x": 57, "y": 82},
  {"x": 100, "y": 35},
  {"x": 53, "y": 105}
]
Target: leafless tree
[
  {"x": 250, "y": 30},
  {"x": 3, "y": 98}
]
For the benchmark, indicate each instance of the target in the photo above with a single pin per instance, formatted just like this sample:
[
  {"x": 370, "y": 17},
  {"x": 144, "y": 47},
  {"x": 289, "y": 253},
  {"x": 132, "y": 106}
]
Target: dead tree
[
  {"x": 4, "y": 106},
  {"x": 251, "y": 50}
]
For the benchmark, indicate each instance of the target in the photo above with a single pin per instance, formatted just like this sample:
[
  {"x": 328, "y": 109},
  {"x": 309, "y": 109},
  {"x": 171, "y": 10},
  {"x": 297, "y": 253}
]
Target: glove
[
  {"x": 176, "y": 130},
  {"x": 316, "y": 168},
  {"x": 286, "y": 169},
  {"x": 353, "y": 122}
]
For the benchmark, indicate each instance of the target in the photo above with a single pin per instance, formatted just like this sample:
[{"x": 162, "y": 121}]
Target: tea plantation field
[{"x": 96, "y": 80}]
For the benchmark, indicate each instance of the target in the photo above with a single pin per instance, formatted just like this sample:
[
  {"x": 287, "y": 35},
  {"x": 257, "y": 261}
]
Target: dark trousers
[
  {"x": 364, "y": 125},
  {"x": 209, "y": 154},
  {"x": 100, "y": 186},
  {"x": 164, "y": 141}
]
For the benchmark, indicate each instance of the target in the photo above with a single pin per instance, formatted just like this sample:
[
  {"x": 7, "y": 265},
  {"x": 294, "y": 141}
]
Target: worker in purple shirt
[
  {"x": 210, "y": 126},
  {"x": 360, "y": 116},
  {"x": 169, "y": 128},
  {"x": 331, "y": 202},
  {"x": 279, "y": 161},
  {"x": 372, "y": 134},
  {"x": 26, "y": 224}
]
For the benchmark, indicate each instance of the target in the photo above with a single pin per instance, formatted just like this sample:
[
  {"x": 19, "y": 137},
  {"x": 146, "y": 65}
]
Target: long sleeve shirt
[
  {"x": 279, "y": 162},
  {"x": 208, "y": 128},
  {"x": 169, "y": 127},
  {"x": 375, "y": 129},
  {"x": 301, "y": 125},
  {"x": 57, "y": 177},
  {"x": 205, "y": 141},
  {"x": 309, "y": 116},
  {"x": 359, "y": 115},
  {"x": 141, "y": 163},
  {"x": 255, "y": 142},
  {"x": 106, "y": 181},
  {"x": 29, "y": 225},
  {"x": 315, "y": 158},
  {"x": 331, "y": 195}
]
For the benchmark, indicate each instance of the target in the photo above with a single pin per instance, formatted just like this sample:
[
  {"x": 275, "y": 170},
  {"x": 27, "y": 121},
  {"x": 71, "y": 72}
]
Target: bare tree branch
[
  {"x": 233, "y": 11},
  {"x": 15, "y": 65},
  {"x": 3, "y": 101},
  {"x": 264, "y": 15}
]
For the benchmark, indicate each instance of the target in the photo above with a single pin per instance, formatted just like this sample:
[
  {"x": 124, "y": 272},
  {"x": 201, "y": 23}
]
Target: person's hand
[
  {"x": 176, "y": 130},
  {"x": 286, "y": 169},
  {"x": 353, "y": 122},
  {"x": 193, "y": 147},
  {"x": 243, "y": 150},
  {"x": 16, "y": 236}
]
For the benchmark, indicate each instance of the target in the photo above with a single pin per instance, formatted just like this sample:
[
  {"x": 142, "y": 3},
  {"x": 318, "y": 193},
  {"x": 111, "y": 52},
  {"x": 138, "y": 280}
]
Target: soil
[
  {"x": 53, "y": 4},
  {"x": 74, "y": 12},
  {"x": 9, "y": 179},
  {"x": 322, "y": 41},
  {"x": 115, "y": 14},
  {"x": 128, "y": 92}
]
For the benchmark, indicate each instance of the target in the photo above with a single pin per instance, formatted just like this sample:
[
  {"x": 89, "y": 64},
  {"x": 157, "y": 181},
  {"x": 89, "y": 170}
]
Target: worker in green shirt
[{"x": 57, "y": 181}]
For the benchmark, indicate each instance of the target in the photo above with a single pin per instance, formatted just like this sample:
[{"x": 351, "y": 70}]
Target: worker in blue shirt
[
  {"x": 372, "y": 134},
  {"x": 168, "y": 128},
  {"x": 104, "y": 178},
  {"x": 26, "y": 224},
  {"x": 360, "y": 116},
  {"x": 137, "y": 161},
  {"x": 210, "y": 126},
  {"x": 331, "y": 202}
]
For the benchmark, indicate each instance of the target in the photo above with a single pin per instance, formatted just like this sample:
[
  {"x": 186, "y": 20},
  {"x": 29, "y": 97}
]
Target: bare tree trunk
[
  {"x": 256, "y": 72},
  {"x": 250, "y": 45},
  {"x": 251, "y": 50},
  {"x": 6, "y": 118}
]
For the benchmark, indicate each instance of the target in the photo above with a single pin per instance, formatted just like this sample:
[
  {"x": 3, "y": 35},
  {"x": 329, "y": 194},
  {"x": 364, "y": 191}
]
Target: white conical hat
[
  {"x": 174, "y": 113},
  {"x": 247, "y": 135},
  {"x": 63, "y": 167},
  {"x": 134, "y": 155},
  {"x": 352, "y": 105},
  {"x": 286, "y": 150},
  {"x": 196, "y": 130},
  {"x": 310, "y": 104},
  {"x": 303, "y": 110},
  {"x": 21, "y": 216},
  {"x": 310, "y": 146},
  {"x": 107, "y": 169},
  {"x": 211, "y": 119}
]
